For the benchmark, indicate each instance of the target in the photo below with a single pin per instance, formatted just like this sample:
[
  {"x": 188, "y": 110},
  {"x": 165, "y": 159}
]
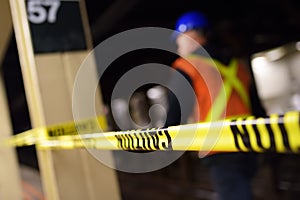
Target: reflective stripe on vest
[{"x": 230, "y": 82}]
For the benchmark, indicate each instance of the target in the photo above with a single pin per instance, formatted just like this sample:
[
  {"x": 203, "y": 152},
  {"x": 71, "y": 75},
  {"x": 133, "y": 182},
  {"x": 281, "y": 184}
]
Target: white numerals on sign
[{"x": 40, "y": 11}]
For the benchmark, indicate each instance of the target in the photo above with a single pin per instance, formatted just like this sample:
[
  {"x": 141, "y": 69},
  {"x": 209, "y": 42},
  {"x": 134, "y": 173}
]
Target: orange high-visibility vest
[{"x": 221, "y": 91}]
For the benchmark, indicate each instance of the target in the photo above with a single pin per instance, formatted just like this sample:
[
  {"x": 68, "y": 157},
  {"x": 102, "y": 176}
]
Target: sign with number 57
[
  {"x": 40, "y": 11},
  {"x": 56, "y": 25}
]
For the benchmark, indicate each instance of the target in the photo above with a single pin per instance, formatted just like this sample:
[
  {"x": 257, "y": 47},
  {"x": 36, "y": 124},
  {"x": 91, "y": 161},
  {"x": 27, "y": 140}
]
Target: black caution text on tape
[
  {"x": 152, "y": 139},
  {"x": 242, "y": 137}
]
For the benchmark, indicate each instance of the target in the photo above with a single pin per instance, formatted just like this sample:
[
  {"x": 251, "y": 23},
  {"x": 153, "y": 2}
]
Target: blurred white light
[
  {"x": 298, "y": 46},
  {"x": 296, "y": 101},
  {"x": 258, "y": 64},
  {"x": 275, "y": 54},
  {"x": 155, "y": 93}
]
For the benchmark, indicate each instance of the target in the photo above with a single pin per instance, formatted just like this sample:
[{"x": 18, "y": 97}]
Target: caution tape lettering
[
  {"x": 152, "y": 139},
  {"x": 244, "y": 141},
  {"x": 73, "y": 129}
]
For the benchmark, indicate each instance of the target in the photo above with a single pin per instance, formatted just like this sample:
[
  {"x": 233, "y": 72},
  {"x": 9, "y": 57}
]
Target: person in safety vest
[{"x": 221, "y": 88}]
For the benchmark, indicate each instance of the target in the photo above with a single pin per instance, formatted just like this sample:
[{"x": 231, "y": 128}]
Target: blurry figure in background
[{"x": 231, "y": 172}]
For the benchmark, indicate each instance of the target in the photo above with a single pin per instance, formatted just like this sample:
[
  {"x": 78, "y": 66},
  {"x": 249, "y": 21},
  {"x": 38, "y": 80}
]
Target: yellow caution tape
[
  {"x": 36, "y": 135},
  {"x": 276, "y": 133}
]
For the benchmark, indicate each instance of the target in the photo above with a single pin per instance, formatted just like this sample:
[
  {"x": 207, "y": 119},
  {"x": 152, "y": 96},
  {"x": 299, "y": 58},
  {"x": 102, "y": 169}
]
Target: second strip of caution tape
[{"x": 277, "y": 133}]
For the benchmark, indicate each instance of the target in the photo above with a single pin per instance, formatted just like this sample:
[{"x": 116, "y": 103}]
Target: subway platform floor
[{"x": 278, "y": 178}]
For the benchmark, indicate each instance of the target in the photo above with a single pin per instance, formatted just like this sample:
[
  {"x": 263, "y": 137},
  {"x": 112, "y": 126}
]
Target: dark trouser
[{"x": 231, "y": 174}]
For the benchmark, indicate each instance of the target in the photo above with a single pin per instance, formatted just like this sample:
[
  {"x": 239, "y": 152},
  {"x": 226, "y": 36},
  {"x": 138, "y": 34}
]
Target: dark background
[
  {"x": 242, "y": 27},
  {"x": 254, "y": 24}
]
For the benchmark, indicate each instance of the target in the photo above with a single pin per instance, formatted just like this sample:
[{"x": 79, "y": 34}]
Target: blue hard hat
[{"x": 191, "y": 20}]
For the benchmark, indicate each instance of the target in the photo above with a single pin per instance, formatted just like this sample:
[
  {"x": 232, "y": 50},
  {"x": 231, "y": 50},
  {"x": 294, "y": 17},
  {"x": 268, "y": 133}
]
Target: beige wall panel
[
  {"x": 74, "y": 169},
  {"x": 72, "y": 62},
  {"x": 54, "y": 89}
]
